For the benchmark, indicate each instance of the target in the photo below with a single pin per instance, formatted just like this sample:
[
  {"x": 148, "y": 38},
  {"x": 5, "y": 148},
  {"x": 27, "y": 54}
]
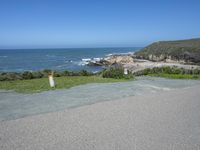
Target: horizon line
[{"x": 71, "y": 47}]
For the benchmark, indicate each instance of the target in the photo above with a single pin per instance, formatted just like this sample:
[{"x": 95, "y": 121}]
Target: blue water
[{"x": 57, "y": 59}]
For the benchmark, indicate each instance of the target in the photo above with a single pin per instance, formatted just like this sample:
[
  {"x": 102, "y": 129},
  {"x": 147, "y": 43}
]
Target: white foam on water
[
  {"x": 86, "y": 59},
  {"x": 97, "y": 59},
  {"x": 128, "y": 53},
  {"x": 61, "y": 66},
  {"x": 3, "y": 56}
]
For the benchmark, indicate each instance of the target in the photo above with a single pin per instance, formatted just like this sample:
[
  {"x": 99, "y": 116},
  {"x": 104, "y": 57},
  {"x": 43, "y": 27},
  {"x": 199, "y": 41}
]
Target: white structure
[
  {"x": 51, "y": 81},
  {"x": 125, "y": 71}
]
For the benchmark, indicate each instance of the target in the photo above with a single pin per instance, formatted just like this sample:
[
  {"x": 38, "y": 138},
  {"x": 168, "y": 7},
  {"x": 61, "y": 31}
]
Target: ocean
[{"x": 73, "y": 59}]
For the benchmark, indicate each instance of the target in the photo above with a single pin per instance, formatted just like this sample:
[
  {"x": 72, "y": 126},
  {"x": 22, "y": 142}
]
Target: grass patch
[
  {"x": 42, "y": 84},
  {"x": 176, "y": 76},
  {"x": 170, "y": 72}
]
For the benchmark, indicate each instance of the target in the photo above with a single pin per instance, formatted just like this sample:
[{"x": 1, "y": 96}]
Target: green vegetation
[
  {"x": 187, "y": 50},
  {"x": 176, "y": 76},
  {"x": 11, "y": 76},
  {"x": 168, "y": 70},
  {"x": 32, "y": 82},
  {"x": 116, "y": 73},
  {"x": 171, "y": 72},
  {"x": 42, "y": 84}
]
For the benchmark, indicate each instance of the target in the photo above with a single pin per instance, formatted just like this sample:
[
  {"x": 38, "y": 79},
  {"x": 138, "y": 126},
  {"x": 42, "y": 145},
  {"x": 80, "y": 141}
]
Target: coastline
[
  {"x": 71, "y": 59},
  {"x": 99, "y": 75},
  {"x": 164, "y": 120},
  {"x": 134, "y": 64}
]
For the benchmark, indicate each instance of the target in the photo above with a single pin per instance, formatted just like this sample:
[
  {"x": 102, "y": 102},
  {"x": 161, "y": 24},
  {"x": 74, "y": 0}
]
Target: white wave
[
  {"x": 97, "y": 59},
  {"x": 68, "y": 61},
  {"x": 61, "y": 66},
  {"x": 83, "y": 63},
  {"x": 95, "y": 71},
  {"x": 108, "y": 55},
  {"x": 86, "y": 59},
  {"x": 80, "y": 63},
  {"x": 112, "y": 54},
  {"x": 3, "y": 56}
]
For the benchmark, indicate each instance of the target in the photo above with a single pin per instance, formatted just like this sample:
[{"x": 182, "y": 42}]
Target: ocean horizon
[{"x": 72, "y": 59}]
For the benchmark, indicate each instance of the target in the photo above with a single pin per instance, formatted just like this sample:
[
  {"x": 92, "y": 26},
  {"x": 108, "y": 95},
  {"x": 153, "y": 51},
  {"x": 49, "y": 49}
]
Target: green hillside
[{"x": 181, "y": 50}]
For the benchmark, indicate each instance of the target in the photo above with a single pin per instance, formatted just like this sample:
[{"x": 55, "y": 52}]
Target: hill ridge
[{"x": 187, "y": 51}]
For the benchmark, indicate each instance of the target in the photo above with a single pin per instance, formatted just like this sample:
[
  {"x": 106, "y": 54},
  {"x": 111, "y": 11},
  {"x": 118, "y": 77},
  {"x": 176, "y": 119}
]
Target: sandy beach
[{"x": 163, "y": 120}]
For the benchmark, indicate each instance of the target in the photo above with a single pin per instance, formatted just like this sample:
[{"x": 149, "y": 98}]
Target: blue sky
[{"x": 96, "y": 23}]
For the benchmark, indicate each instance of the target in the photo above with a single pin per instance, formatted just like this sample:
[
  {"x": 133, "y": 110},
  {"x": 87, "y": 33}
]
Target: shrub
[
  {"x": 27, "y": 75},
  {"x": 72, "y": 73},
  {"x": 85, "y": 73},
  {"x": 116, "y": 72},
  {"x": 8, "y": 76},
  {"x": 66, "y": 73},
  {"x": 129, "y": 76},
  {"x": 57, "y": 74},
  {"x": 167, "y": 70},
  {"x": 47, "y": 71},
  {"x": 196, "y": 71},
  {"x": 37, "y": 74}
]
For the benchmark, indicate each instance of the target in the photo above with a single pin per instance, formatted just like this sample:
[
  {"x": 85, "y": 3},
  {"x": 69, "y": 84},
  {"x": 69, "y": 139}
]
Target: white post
[
  {"x": 51, "y": 80},
  {"x": 125, "y": 71}
]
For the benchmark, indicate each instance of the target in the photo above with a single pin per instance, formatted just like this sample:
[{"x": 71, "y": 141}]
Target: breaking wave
[
  {"x": 112, "y": 54},
  {"x": 3, "y": 56},
  {"x": 85, "y": 61}
]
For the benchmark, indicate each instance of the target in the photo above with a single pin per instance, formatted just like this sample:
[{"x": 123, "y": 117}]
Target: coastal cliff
[
  {"x": 181, "y": 54},
  {"x": 183, "y": 51}
]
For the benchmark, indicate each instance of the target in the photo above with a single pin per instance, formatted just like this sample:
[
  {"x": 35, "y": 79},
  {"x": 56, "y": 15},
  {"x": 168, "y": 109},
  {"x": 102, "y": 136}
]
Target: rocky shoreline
[
  {"x": 132, "y": 63},
  {"x": 181, "y": 54},
  {"x": 111, "y": 60}
]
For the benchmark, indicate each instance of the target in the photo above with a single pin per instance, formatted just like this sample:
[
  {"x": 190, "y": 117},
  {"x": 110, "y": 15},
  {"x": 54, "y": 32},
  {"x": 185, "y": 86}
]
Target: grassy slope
[
  {"x": 39, "y": 85},
  {"x": 173, "y": 48}
]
